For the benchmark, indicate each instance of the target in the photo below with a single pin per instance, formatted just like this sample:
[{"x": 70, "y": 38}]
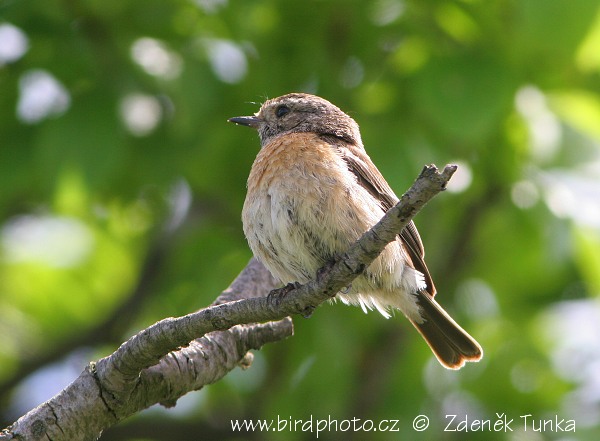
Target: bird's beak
[{"x": 249, "y": 121}]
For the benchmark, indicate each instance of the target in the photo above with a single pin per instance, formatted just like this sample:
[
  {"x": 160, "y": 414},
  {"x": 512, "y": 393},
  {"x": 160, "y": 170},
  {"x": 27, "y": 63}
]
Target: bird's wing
[{"x": 371, "y": 179}]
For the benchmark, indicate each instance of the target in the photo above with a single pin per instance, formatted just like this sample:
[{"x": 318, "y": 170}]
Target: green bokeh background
[{"x": 113, "y": 121}]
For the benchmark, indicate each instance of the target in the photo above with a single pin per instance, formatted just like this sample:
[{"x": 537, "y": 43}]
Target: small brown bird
[{"x": 312, "y": 192}]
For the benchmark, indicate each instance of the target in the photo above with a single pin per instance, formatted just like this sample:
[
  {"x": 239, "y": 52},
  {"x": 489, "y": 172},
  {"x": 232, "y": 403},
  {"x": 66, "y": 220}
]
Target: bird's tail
[{"x": 450, "y": 343}]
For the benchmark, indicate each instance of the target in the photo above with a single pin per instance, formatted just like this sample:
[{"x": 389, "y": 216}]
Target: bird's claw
[
  {"x": 324, "y": 270},
  {"x": 308, "y": 311},
  {"x": 276, "y": 295}
]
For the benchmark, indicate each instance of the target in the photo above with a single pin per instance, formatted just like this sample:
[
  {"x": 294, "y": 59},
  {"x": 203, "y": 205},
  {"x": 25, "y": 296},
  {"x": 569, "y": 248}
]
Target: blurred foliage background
[{"x": 121, "y": 186}]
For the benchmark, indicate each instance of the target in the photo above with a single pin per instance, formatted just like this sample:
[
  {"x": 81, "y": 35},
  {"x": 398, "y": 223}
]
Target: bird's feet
[
  {"x": 307, "y": 313},
  {"x": 324, "y": 270},
  {"x": 277, "y": 295}
]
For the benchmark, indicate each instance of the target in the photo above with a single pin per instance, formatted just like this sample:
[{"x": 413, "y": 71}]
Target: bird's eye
[{"x": 282, "y": 110}]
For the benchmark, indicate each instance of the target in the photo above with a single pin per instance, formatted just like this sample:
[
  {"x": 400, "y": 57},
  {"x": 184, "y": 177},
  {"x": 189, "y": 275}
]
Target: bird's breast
[{"x": 298, "y": 209}]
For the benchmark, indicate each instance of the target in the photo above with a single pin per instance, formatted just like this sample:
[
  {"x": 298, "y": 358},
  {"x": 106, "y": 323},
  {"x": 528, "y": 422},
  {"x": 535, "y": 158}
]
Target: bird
[{"x": 312, "y": 191}]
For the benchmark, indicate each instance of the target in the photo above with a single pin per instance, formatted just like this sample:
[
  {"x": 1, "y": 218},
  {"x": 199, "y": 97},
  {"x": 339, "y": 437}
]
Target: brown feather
[
  {"x": 451, "y": 345},
  {"x": 371, "y": 179}
]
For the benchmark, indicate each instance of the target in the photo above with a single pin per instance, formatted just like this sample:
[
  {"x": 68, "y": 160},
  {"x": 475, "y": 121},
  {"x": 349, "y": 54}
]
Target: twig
[{"x": 134, "y": 376}]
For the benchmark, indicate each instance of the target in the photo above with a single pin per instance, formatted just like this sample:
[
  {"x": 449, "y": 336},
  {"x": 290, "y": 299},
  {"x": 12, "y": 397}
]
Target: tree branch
[{"x": 143, "y": 371}]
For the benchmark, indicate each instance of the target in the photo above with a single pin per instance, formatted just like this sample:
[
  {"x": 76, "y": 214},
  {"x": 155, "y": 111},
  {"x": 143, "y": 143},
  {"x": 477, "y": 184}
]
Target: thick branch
[{"x": 134, "y": 376}]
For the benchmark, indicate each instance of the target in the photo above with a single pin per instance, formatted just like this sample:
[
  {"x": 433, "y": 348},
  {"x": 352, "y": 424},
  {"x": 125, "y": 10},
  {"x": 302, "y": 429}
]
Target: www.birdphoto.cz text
[{"x": 451, "y": 423}]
